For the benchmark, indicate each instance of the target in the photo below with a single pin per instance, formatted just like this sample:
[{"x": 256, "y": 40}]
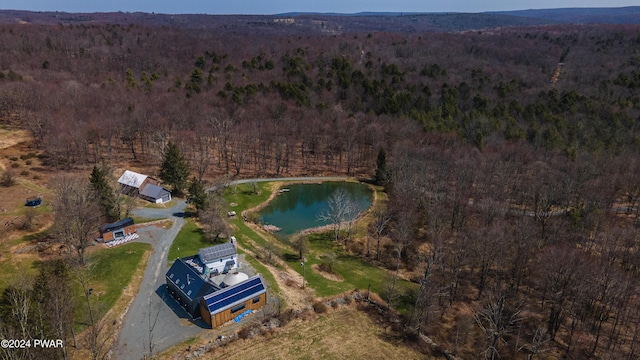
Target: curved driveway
[
  {"x": 148, "y": 306},
  {"x": 151, "y": 304}
]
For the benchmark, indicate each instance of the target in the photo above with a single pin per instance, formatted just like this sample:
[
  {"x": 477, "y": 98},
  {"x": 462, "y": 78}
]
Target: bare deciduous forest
[{"x": 512, "y": 153}]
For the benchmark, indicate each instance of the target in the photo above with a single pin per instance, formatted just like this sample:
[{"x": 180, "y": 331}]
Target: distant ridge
[
  {"x": 336, "y": 23},
  {"x": 622, "y": 15}
]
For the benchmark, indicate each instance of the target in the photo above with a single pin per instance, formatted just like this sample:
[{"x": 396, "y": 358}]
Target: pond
[{"x": 298, "y": 206}]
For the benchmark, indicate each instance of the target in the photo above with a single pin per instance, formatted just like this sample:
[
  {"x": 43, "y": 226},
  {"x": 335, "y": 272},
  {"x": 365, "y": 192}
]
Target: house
[
  {"x": 224, "y": 305},
  {"x": 194, "y": 290},
  {"x": 136, "y": 184},
  {"x": 117, "y": 230},
  {"x": 187, "y": 285},
  {"x": 218, "y": 259}
]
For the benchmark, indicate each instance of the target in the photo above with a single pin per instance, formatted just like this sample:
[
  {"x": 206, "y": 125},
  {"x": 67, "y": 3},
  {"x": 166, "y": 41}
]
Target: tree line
[{"x": 313, "y": 104}]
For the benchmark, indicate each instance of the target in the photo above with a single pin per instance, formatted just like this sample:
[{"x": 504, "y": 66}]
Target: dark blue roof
[
  {"x": 117, "y": 225},
  {"x": 153, "y": 191},
  {"x": 234, "y": 295},
  {"x": 188, "y": 280}
]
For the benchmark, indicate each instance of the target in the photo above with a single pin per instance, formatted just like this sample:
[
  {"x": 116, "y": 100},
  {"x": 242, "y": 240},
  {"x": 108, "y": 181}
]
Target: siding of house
[{"x": 228, "y": 315}]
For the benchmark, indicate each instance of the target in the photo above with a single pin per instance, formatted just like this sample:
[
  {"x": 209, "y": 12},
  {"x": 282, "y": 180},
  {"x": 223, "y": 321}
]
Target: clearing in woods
[{"x": 342, "y": 334}]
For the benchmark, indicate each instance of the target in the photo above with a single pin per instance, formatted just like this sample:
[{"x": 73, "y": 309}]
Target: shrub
[
  {"x": 253, "y": 217},
  {"x": 334, "y": 304},
  {"x": 28, "y": 162},
  {"x": 325, "y": 268},
  {"x": 27, "y": 156},
  {"x": 13, "y": 158},
  {"x": 286, "y": 316},
  {"x": 7, "y": 179},
  {"x": 319, "y": 307},
  {"x": 15, "y": 165},
  {"x": 348, "y": 300},
  {"x": 245, "y": 332},
  {"x": 24, "y": 172}
]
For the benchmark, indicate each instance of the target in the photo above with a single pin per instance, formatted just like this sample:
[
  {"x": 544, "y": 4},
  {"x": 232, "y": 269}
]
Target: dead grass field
[{"x": 342, "y": 334}]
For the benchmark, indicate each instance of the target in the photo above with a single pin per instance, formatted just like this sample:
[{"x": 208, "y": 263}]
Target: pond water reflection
[{"x": 298, "y": 208}]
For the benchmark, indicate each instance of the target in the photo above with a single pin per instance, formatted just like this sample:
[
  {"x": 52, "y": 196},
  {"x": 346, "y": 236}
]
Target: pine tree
[
  {"x": 381, "y": 168},
  {"x": 174, "y": 170},
  {"x": 197, "y": 194},
  {"x": 102, "y": 191}
]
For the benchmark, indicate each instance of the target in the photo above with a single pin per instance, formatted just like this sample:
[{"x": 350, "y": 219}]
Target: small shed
[
  {"x": 223, "y": 305},
  {"x": 155, "y": 194},
  {"x": 118, "y": 229},
  {"x": 219, "y": 259},
  {"x": 187, "y": 286}
]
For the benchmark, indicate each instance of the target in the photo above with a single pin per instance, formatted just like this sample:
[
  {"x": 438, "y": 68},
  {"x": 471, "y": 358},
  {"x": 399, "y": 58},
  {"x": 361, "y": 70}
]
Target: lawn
[
  {"x": 14, "y": 266},
  {"x": 355, "y": 272},
  {"x": 189, "y": 240},
  {"x": 242, "y": 195},
  {"x": 111, "y": 272}
]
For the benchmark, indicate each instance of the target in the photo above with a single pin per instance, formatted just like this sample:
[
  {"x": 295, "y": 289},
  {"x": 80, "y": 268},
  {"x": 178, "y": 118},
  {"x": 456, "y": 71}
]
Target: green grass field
[
  {"x": 13, "y": 266},
  {"x": 243, "y": 196},
  {"x": 111, "y": 271},
  {"x": 189, "y": 240},
  {"x": 355, "y": 272}
]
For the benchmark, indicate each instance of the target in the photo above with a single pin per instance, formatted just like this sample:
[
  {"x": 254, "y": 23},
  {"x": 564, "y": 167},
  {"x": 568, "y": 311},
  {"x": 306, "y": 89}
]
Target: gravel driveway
[
  {"x": 153, "y": 316},
  {"x": 149, "y": 305}
]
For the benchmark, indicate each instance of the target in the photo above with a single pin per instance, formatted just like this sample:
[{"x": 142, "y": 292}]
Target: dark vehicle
[{"x": 33, "y": 202}]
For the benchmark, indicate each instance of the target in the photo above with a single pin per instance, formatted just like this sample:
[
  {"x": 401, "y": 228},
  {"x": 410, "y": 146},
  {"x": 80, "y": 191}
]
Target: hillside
[
  {"x": 315, "y": 23},
  {"x": 509, "y": 154},
  {"x": 623, "y": 15}
]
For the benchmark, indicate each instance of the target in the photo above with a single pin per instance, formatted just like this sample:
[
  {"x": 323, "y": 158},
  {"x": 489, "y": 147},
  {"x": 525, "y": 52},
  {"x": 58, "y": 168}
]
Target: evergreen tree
[
  {"x": 381, "y": 168},
  {"x": 102, "y": 191},
  {"x": 174, "y": 170},
  {"x": 197, "y": 194}
]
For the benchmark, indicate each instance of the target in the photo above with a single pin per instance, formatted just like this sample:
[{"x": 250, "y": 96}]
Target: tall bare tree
[
  {"x": 77, "y": 214},
  {"x": 337, "y": 212},
  {"x": 378, "y": 227},
  {"x": 497, "y": 321}
]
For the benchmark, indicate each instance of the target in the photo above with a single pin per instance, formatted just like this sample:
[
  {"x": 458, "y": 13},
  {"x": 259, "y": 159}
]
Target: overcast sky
[{"x": 282, "y": 6}]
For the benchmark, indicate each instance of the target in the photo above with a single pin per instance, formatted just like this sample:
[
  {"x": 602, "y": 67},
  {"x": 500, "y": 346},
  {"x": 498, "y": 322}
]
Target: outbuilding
[
  {"x": 136, "y": 184},
  {"x": 118, "y": 230},
  {"x": 224, "y": 305},
  {"x": 155, "y": 194}
]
